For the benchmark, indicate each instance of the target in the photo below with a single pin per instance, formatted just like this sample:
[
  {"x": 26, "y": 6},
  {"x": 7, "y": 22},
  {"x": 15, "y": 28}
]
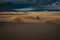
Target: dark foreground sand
[{"x": 19, "y": 31}]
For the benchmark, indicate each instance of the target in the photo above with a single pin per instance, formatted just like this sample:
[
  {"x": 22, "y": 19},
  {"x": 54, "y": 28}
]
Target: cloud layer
[
  {"x": 18, "y": 1},
  {"x": 33, "y": 1}
]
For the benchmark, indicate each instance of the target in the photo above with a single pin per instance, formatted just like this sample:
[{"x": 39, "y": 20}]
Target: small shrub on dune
[{"x": 37, "y": 17}]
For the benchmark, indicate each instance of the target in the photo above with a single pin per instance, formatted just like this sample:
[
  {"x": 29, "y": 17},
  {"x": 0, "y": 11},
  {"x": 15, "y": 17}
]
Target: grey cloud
[
  {"x": 17, "y": 1},
  {"x": 29, "y": 1}
]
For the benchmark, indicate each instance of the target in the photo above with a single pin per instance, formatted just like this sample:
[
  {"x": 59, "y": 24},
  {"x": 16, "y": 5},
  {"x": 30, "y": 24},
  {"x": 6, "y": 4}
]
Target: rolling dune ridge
[{"x": 31, "y": 17}]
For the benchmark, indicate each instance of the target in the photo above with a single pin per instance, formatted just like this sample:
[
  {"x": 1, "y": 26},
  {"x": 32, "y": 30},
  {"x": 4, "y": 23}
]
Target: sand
[{"x": 31, "y": 17}]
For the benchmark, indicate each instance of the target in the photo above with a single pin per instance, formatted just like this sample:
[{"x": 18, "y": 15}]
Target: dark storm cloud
[
  {"x": 26, "y": 0},
  {"x": 17, "y": 1},
  {"x": 27, "y": 5}
]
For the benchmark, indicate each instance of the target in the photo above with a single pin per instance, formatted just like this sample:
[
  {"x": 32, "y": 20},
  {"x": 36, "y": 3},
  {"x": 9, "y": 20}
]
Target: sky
[
  {"x": 26, "y": 0},
  {"x": 16, "y": 1},
  {"x": 46, "y": 4},
  {"x": 30, "y": 1},
  {"x": 41, "y": 2}
]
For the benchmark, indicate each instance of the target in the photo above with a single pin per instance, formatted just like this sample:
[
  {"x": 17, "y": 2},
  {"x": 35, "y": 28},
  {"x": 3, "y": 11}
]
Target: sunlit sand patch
[{"x": 31, "y": 17}]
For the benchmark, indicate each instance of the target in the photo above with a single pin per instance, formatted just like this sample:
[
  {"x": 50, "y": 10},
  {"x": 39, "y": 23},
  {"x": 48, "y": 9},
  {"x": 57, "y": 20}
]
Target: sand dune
[
  {"x": 31, "y": 17},
  {"x": 15, "y": 26}
]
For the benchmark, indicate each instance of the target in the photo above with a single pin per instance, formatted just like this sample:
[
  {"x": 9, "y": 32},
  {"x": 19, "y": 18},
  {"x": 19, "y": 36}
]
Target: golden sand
[{"x": 31, "y": 17}]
